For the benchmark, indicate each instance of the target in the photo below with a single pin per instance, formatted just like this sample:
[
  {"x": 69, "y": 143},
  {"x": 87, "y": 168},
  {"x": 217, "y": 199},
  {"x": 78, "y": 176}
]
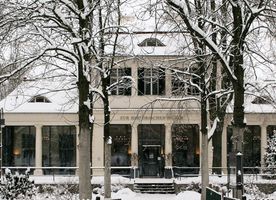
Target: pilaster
[{"x": 38, "y": 150}]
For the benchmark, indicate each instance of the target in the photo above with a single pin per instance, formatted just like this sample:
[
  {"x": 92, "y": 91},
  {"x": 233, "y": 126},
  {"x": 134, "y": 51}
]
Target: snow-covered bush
[
  {"x": 270, "y": 157},
  {"x": 253, "y": 192},
  {"x": 16, "y": 186},
  {"x": 60, "y": 192},
  {"x": 194, "y": 186}
]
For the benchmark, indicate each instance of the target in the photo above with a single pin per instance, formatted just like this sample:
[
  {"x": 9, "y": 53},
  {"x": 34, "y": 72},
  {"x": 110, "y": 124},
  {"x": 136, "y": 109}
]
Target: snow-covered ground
[
  {"x": 125, "y": 194},
  {"x": 122, "y": 193}
]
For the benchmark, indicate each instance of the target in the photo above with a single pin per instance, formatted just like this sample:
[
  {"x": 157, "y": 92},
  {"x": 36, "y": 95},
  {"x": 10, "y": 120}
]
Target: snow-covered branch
[{"x": 213, "y": 128}]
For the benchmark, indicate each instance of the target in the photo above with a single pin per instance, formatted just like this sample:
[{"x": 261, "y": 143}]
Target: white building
[{"x": 156, "y": 137}]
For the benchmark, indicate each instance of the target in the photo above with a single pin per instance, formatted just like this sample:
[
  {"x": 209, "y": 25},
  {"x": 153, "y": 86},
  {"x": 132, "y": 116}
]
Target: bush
[{"x": 16, "y": 186}]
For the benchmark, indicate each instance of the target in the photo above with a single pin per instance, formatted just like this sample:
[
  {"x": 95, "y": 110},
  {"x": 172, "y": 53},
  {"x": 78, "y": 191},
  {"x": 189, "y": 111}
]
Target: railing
[
  {"x": 54, "y": 171},
  {"x": 254, "y": 173}
]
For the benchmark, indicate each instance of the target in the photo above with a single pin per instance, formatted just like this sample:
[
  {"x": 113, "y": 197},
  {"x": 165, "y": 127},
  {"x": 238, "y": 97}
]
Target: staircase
[{"x": 154, "y": 188}]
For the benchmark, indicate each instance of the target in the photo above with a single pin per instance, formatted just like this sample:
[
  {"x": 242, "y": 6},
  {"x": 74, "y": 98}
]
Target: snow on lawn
[
  {"x": 127, "y": 194},
  {"x": 124, "y": 194},
  {"x": 119, "y": 183}
]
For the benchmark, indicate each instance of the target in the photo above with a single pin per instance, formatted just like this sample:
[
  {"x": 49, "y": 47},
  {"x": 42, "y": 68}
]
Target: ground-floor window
[
  {"x": 18, "y": 146},
  {"x": 271, "y": 130},
  {"x": 185, "y": 148},
  {"x": 151, "y": 139},
  {"x": 251, "y": 147},
  {"x": 59, "y": 148},
  {"x": 121, "y": 147}
]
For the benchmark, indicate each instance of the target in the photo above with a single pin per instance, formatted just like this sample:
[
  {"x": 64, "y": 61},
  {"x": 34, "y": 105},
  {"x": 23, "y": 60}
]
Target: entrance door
[{"x": 152, "y": 161}]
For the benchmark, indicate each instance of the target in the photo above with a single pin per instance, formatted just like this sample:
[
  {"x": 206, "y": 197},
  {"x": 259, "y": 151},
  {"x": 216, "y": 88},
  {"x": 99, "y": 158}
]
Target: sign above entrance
[{"x": 155, "y": 118}]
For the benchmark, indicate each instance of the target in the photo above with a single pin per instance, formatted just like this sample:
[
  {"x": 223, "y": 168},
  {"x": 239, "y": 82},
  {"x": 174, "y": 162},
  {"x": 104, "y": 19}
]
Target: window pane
[
  {"x": 251, "y": 147},
  {"x": 123, "y": 88},
  {"x": 185, "y": 142},
  {"x": 59, "y": 148},
  {"x": 121, "y": 147},
  {"x": 151, "y": 81},
  {"x": 19, "y": 146}
]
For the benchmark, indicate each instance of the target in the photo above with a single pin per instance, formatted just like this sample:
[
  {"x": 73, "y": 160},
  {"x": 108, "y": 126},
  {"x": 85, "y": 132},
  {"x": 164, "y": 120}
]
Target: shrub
[{"x": 16, "y": 186}]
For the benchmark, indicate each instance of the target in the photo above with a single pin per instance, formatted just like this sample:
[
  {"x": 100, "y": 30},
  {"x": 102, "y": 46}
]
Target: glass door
[{"x": 153, "y": 162}]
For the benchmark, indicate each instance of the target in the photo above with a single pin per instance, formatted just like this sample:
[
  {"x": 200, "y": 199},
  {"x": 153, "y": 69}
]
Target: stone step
[{"x": 154, "y": 188}]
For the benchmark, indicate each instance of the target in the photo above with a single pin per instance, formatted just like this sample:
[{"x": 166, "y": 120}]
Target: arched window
[
  {"x": 39, "y": 99},
  {"x": 262, "y": 100},
  {"x": 151, "y": 42}
]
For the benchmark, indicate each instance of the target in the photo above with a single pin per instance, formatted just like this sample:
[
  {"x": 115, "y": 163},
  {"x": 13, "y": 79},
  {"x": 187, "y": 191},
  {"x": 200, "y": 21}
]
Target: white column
[
  {"x": 134, "y": 145},
  {"x": 77, "y": 149},
  {"x": 38, "y": 150},
  {"x": 224, "y": 148},
  {"x": 98, "y": 150},
  {"x": 263, "y": 142},
  {"x": 168, "y": 82},
  {"x": 168, "y": 145}
]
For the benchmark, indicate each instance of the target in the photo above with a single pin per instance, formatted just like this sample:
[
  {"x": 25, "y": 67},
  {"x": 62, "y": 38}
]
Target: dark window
[
  {"x": 185, "y": 82},
  {"x": 271, "y": 130},
  {"x": 19, "y": 146},
  {"x": 59, "y": 148},
  {"x": 121, "y": 147},
  {"x": 39, "y": 99},
  {"x": 251, "y": 147},
  {"x": 151, "y": 42},
  {"x": 119, "y": 84},
  {"x": 185, "y": 143},
  {"x": 151, "y": 81}
]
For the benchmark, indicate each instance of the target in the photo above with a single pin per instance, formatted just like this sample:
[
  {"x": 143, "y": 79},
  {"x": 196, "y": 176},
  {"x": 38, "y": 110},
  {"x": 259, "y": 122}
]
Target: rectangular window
[
  {"x": 121, "y": 147},
  {"x": 121, "y": 86},
  {"x": 59, "y": 148},
  {"x": 151, "y": 81},
  {"x": 184, "y": 82},
  {"x": 251, "y": 147},
  {"x": 185, "y": 148},
  {"x": 19, "y": 146}
]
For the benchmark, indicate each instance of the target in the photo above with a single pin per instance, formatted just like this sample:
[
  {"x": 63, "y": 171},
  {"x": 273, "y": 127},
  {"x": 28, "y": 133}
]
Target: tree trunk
[
  {"x": 204, "y": 164},
  {"x": 238, "y": 116},
  {"x": 107, "y": 171},
  {"x": 84, "y": 141},
  {"x": 204, "y": 150},
  {"x": 107, "y": 140}
]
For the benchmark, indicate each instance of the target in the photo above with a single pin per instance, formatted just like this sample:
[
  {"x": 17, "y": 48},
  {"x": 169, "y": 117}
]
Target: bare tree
[
  {"x": 83, "y": 34},
  {"x": 231, "y": 53}
]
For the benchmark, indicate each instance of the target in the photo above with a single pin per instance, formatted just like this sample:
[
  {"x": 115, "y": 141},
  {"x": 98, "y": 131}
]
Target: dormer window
[
  {"x": 151, "y": 42},
  {"x": 39, "y": 99},
  {"x": 262, "y": 100}
]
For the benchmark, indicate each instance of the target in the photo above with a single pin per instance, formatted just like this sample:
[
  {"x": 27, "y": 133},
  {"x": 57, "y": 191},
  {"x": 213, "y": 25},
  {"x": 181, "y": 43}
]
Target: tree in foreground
[
  {"x": 73, "y": 36},
  {"x": 234, "y": 22}
]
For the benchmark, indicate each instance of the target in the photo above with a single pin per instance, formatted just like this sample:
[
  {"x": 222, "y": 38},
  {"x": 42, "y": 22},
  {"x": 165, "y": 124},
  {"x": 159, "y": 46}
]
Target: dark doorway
[
  {"x": 151, "y": 150},
  {"x": 153, "y": 162}
]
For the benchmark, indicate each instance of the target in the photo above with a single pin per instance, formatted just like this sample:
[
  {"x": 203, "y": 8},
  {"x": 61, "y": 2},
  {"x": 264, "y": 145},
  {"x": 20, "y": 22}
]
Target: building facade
[{"x": 151, "y": 134}]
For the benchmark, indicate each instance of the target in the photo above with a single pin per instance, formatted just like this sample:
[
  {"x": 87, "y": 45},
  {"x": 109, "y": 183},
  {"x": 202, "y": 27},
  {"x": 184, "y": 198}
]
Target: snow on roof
[
  {"x": 61, "y": 95},
  {"x": 259, "y": 99},
  {"x": 174, "y": 44}
]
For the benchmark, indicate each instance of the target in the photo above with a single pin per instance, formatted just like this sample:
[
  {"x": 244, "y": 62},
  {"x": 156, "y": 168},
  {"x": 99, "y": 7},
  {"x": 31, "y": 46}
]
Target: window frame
[
  {"x": 184, "y": 88},
  {"x": 151, "y": 81},
  {"x": 120, "y": 90}
]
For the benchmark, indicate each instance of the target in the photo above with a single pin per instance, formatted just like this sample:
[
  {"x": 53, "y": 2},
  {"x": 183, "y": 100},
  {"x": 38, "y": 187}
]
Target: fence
[{"x": 133, "y": 172}]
